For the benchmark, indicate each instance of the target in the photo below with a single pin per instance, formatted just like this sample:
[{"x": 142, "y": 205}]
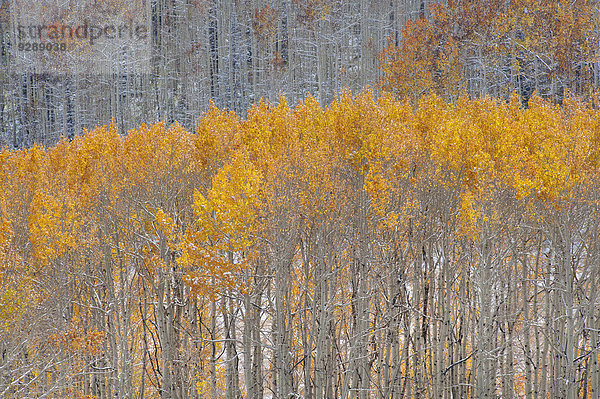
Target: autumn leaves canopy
[
  {"x": 229, "y": 207},
  {"x": 213, "y": 198}
]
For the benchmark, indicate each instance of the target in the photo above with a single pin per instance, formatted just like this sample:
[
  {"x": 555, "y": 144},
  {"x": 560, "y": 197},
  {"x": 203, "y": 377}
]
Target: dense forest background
[
  {"x": 234, "y": 52},
  {"x": 434, "y": 236},
  {"x": 237, "y": 52}
]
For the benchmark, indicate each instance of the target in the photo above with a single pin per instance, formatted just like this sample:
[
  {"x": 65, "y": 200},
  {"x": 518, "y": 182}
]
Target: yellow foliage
[
  {"x": 227, "y": 220},
  {"x": 212, "y": 207}
]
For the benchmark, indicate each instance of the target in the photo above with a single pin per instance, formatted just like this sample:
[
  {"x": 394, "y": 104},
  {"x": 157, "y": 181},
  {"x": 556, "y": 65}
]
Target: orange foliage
[{"x": 495, "y": 47}]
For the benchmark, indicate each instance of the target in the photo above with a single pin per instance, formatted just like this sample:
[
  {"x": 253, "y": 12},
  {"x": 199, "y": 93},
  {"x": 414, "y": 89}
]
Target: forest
[{"x": 321, "y": 199}]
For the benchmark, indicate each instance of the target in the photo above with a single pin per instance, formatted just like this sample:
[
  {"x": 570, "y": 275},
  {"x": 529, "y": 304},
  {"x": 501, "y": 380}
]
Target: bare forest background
[
  {"x": 237, "y": 52},
  {"x": 233, "y": 52}
]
